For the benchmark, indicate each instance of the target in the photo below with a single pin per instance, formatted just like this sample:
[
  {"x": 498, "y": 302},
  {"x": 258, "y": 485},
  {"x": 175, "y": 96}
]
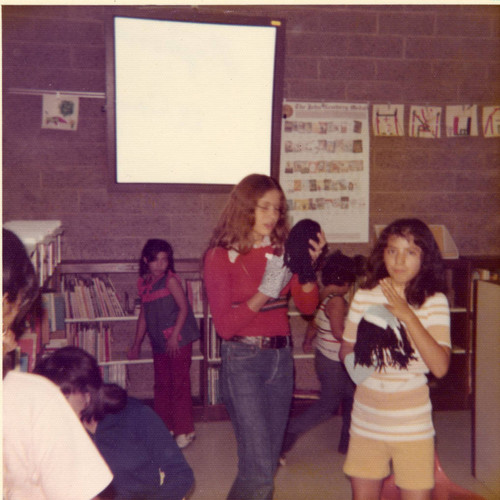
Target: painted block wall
[
  {"x": 430, "y": 54},
  {"x": 401, "y": 54}
]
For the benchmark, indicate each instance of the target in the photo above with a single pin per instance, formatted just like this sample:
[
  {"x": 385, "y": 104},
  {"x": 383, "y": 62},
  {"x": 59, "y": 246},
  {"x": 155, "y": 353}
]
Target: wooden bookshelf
[{"x": 451, "y": 392}]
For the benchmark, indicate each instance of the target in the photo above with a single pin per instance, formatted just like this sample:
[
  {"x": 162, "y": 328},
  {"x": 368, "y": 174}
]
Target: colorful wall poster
[
  {"x": 491, "y": 121},
  {"x": 60, "y": 111},
  {"x": 425, "y": 122},
  {"x": 461, "y": 120},
  {"x": 387, "y": 119},
  {"x": 324, "y": 167}
]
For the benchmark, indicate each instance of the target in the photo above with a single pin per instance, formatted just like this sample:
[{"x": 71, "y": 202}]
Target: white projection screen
[{"x": 195, "y": 103}]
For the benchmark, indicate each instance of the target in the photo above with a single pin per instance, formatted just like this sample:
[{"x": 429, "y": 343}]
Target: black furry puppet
[
  {"x": 382, "y": 340},
  {"x": 297, "y": 257}
]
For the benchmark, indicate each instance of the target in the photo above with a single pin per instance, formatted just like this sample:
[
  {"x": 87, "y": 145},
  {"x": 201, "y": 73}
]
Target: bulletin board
[{"x": 324, "y": 168}]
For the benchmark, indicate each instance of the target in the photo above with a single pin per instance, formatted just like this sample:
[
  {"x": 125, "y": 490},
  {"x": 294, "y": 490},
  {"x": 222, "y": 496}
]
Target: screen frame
[{"x": 192, "y": 16}]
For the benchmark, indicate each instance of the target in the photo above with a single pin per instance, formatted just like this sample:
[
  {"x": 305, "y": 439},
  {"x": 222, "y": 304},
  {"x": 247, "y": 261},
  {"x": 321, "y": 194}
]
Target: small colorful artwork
[
  {"x": 60, "y": 112},
  {"x": 491, "y": 121},
  {"x": 461, "y": 121},
  {"x": 425, "y": 122},
  {"x": 387, "y": 119}
]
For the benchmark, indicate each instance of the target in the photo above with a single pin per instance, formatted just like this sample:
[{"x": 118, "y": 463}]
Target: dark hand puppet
[
  {"x": 381, "y": 341},
  {"x": 297, "y": 257}
]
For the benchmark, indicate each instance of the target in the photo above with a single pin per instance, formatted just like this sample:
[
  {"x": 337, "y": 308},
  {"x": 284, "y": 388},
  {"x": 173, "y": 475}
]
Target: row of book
[
  {"x": 90, "y": 297},
  {"x": 194, "y": 292},
  {"x": 96, "y": 340},
  {"x": 115, "y": 374}
]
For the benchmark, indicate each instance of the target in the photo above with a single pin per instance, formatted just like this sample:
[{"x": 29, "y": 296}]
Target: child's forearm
[
  {"x": 140, "y": 330},
  {"x": 435, "y": 356},
  {"x": 310, "y": 332},
  {"x": 345, "y": 349},
  {"x": 257, "y": 301}
]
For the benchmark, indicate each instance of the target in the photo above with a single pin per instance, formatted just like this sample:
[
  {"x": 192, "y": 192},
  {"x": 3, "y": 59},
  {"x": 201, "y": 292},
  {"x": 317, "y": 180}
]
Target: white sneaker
[{"x": 184, "y": 440}]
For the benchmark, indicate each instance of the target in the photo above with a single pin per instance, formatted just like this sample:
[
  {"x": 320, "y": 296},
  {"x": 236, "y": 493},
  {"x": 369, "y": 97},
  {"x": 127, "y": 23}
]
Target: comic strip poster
[
  {"x": 387, "y": 119},
  {"x": 461, "y": 121},
  {"x": 324, "y": 167},
  {"x": 491, "y": 121},
  {"x": 425, "y": 122}
]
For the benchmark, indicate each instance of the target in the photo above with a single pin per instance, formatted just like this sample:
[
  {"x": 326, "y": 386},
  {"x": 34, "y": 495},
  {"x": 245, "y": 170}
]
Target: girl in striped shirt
[{"x": 403, "y": 303}]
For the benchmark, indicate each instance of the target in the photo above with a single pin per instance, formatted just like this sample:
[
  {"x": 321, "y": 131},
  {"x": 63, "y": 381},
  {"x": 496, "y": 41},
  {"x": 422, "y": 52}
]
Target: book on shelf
[
  {"x": 194, "y": 291},
  {"x": 116, "y": 307},
  {"x": 90, "y": 297},
  {"x": 95, "y": 340},
  {"x": 27, "y": 344},
  {"x": 115, "y": 374},
  {"x": 214, "y": 342},
  {"x": 54, "y": 305}
]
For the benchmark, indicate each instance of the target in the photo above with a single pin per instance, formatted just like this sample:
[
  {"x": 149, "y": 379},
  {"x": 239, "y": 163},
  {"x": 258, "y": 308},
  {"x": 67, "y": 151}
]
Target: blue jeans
[
  {"x": 336, "y": 387},
  {"x": 257, "y": 386}
]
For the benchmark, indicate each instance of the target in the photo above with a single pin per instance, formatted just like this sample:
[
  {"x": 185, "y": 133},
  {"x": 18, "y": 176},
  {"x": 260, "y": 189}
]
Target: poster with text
[{"x": 324, "y": 167}]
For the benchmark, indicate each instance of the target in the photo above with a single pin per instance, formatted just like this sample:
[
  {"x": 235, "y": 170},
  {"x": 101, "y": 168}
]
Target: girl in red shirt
[{"x": 248, "y": 287}]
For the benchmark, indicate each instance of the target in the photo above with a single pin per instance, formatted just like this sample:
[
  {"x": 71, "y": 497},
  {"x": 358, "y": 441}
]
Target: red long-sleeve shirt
[{"x": 230, "y": 284}]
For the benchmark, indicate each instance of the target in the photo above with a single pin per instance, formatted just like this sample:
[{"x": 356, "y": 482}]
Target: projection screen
[{"x": 195, "y": 103}]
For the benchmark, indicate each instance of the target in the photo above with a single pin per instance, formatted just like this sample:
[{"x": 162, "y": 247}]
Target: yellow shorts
[{"x": 412, "y": 461}]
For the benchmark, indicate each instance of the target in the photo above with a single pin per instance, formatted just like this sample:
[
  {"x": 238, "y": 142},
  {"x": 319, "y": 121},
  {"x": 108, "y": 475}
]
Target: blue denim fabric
[
  {"x": 257, "y": 387},
  {"x": 336, "y": 387}
]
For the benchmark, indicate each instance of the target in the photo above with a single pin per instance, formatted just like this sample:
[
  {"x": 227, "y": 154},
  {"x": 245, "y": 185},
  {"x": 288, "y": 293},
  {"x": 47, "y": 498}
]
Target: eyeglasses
[{"x": 270, "y": 208}]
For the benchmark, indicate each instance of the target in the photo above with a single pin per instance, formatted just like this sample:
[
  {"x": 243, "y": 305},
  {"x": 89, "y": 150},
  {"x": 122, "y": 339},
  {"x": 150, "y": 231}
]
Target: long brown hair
[
  {"x": 234, "y": 229},
  {"x": 429, "y": 280}
]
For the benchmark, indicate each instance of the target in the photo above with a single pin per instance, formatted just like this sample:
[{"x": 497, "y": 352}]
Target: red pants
[{"x": 172, "y": 390}]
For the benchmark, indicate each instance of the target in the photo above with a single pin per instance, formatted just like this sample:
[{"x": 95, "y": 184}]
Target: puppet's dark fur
[
  {"x": 372, "y": 341},
  {"x": 297, "y": 246}
]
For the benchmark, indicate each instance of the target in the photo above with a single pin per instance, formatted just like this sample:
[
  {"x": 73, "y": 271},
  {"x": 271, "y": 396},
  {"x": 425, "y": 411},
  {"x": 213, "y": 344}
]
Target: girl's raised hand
[
  {"x": 397, "y": 303},
  {"x": 317, "y": 246}
]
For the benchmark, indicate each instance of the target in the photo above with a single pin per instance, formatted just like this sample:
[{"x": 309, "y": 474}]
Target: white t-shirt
[{"x": 47, "y": 453}]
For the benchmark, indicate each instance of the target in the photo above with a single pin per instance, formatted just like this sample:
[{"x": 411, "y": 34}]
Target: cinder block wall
[{"x": 432, "y": 54}]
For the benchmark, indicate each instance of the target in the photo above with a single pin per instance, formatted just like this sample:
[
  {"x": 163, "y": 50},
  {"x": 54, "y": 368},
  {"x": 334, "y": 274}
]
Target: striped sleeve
[{"x": 435, "y": 317}]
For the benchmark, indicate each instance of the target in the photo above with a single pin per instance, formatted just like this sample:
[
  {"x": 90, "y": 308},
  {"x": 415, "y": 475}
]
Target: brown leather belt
[{"x": 277, "y": 342}]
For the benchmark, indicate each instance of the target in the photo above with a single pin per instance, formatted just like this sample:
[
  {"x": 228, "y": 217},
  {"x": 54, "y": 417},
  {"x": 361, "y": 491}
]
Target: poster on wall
[
  {"x": 425, "y": 122},
  {"x": 387, "y": 120},
  {"x": 60, "y": 112},
  {"x": 324, "y": 167},
  {"x": 461, "y": 120},
  {"x": 491, "y": 121}
]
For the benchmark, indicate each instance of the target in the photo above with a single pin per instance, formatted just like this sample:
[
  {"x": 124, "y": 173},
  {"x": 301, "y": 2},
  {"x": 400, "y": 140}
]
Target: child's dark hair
[
  {"x": 18, "y": 276},
  {"x": 151, "y": 249},
  {"x": 297, "y": 256},
  {"x": 339, "y": 269},
  {"x": 430, "y": 278},
  {"x": 76, "y": 371}
]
